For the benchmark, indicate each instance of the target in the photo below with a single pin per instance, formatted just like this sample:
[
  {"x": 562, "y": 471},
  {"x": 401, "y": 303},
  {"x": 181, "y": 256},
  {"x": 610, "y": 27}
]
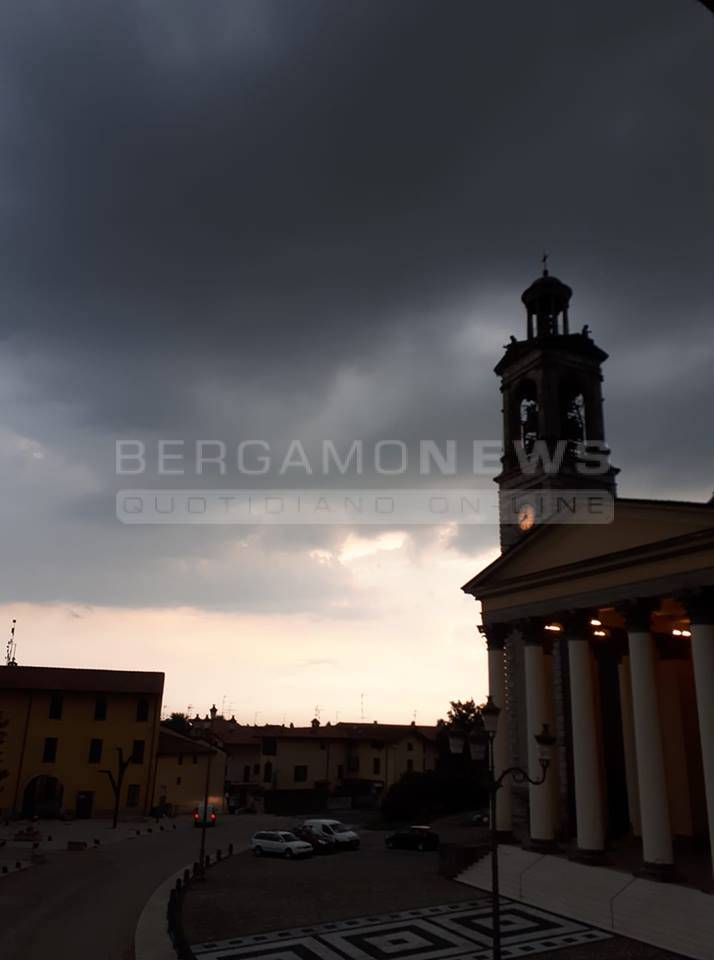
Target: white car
[
  {"x": 344, "y": 837},
  {"x": 281, "y": 843}
]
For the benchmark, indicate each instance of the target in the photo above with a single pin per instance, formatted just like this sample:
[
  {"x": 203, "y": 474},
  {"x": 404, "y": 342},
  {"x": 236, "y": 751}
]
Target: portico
[{"x": 607, "y": 633}]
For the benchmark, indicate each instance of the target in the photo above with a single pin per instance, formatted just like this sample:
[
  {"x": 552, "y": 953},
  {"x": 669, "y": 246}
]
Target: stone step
[{"x": 665, "y": 915}]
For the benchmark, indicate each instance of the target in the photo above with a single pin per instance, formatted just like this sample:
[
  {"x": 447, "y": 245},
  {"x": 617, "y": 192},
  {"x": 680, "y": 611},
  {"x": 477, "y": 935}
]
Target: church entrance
[
  {"x": 616, "y": 798},
  {"x": 42, "y": 797}
]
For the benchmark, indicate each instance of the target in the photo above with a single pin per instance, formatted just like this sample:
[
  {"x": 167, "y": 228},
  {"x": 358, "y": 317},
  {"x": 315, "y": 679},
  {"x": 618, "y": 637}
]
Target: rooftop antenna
[
  {"x": 544, "y": 261},
  {"x": 11, "y": 648},
  {"x": 414, "y": 716},
  {"x": 317, "y": 711}
]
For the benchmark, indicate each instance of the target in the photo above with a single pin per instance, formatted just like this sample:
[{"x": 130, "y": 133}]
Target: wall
[
  {"x": 181, "y": 780},
  {"x": 30, "y": 724}
]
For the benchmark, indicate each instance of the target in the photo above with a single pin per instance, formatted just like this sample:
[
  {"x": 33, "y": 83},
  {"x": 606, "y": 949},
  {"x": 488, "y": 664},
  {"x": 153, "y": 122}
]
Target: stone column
[
  {"x": 495, "y": 642},
  {"x": 586, "y": 758},
  {"x": 654, "y": 802},
  {"x": 628, "y": 740},
  {"x": 538, "y": 711},
  {"x": 701, "y": 615}
]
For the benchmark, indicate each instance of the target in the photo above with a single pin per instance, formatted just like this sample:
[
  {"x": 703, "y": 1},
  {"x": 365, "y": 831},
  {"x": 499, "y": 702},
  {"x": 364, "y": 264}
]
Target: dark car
[
  {"x": 413, "y": 838},
  {"x": 319, "y": 844}
]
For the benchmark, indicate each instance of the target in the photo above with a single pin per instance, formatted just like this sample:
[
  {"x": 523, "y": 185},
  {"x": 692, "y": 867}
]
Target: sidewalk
[{"x": 56, "y": 834}]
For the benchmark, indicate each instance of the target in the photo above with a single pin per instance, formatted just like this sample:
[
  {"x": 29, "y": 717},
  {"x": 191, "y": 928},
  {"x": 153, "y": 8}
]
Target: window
[
  {"x": 300, "y": 774},
  {"x": 56, "y": 706},
  {"x": 49, "y": 751},
  {"x": 268, "y": 773},
  {"x": 376, "y": 765},
  {"x": 340, "y": 771},
  {"x": 410, "y": 745},
  {"x": 137, "y": 751},
  {"x": 410, "y": 765},
  {"x": 323, "y": 745},
  {"x": 270, "y": 746},
  {"x": 132, "y": 792},
  {"x": 142, "y": 710},
  {"x": 178, "y": 781},
  {"x": 256, "y": 769},
  {"x": 95, "y": 750},
  {"x": 246, "y": 774},
  {"x": 353, "y": 764},
  {"x": 100, "y": 707}
]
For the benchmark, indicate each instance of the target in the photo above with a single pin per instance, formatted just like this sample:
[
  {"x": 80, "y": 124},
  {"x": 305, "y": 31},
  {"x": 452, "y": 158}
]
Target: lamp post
[
  {"x": 204, "y": 823},
  {"x": 546, "y": 742}
]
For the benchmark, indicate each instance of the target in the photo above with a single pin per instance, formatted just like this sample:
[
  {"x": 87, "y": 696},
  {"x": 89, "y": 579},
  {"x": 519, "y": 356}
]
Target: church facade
[{"x": 602, "y": 630}]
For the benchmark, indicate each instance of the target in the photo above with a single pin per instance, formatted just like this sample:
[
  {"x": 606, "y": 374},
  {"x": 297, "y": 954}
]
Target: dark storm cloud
[{"x": 314, "y": 219}]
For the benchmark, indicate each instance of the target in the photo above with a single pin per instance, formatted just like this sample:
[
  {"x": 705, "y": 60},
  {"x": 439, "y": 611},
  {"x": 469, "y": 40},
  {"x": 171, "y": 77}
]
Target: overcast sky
[{"x": 312, "y": 220}]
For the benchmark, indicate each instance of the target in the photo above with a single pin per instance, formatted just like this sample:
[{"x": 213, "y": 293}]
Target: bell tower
[{"x": 553, "y": 427}]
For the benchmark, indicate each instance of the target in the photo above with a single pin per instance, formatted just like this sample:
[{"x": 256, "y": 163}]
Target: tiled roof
[{"x": 172, "y": 743}]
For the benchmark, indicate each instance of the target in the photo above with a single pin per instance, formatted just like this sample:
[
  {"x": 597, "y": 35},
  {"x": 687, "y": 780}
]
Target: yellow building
[
  {"x": 67, "y": 729},
  {"x": 181, "y": 768}
]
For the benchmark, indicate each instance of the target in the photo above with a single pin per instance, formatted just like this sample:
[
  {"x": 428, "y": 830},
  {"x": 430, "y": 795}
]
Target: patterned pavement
[{"x": 452, "y": 930}]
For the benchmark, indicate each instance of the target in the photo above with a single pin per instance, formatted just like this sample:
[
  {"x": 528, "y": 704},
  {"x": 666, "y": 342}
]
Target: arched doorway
[{"x": 42, "y": 797}]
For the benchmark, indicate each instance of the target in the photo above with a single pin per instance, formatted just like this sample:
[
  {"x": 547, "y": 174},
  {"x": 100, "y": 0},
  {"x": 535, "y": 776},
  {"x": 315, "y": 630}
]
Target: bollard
[
  {"x": 4, "y": 869},
  {"x": 18, "y": 865},
  {"x": 230, "y": 849},
  {"x": 138, "y": 833},
  {"x": 178, "y": 884},
  {"x": 218, "y": 855},
  {"x": 150, "y": 830},
  {"x": 196, "y": 868},
  {"x": 49, "y": 838},
  {"x": 161, "y": 829},
  {"x": 173, "y": 826},
  {"x": 208, "y": 859},
  {"x": 186, "y": 875}
]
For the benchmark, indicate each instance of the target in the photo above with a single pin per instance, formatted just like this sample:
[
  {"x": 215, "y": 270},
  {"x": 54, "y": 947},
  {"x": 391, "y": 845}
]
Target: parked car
[
  {"x": 344, "y": 837},
  {"x": 413, "y": 838},
  {"x": 204, "y": 813},
  {"x": 281, "y": 843},
  {"x": 319, "y": 842}
]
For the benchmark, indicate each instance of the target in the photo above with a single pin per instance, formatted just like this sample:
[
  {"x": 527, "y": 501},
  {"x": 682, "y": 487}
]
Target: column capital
[
  {"x": 699, "y": 603},
  {"x": 576, "y": 624},
  {"x": 637, "y": 613},
  {"x": 532, "y": 629},
  {"x": 495, "y": 634}
]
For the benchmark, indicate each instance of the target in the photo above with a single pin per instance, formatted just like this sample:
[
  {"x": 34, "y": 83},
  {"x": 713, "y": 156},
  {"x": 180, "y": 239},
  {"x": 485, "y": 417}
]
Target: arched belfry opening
[
  {"x": 527, "y": 403},
  {"x": 573, "y": 414}
]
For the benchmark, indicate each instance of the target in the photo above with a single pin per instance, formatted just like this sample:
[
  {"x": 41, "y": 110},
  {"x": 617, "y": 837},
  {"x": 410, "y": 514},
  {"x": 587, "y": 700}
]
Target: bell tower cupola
[{"x": 553, "y": 425}]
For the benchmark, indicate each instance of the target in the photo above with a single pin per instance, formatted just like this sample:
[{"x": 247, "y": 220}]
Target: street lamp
[
  {"x": 545, "y": 741},
  {"x": 204, "y": 824}
]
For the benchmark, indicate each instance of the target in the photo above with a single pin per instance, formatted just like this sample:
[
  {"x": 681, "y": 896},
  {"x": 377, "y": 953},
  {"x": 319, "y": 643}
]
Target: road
[{"x": 85, "y": 906}]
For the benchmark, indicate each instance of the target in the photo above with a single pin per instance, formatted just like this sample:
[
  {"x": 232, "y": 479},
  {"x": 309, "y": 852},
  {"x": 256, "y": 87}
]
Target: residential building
[
  {"x": 66, "y": 728},
  {"x": 604, "y": 631},
  {"x": 181, "y": 768},
  {"x": 356, "y": 762}
]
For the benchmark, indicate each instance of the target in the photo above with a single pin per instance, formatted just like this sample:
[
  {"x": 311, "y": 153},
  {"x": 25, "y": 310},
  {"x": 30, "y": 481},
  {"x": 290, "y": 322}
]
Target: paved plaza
[{"x": 457, "y": 931}]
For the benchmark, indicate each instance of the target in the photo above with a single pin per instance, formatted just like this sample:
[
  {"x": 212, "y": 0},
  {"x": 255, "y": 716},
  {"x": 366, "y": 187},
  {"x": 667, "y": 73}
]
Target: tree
[
  {"x": 118, "y": 780},
  {"x": 179, "y": 723},
  {"x": 465, "y": 716}
]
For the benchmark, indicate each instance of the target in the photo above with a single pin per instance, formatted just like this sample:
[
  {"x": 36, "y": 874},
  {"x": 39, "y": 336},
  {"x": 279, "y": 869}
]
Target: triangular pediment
[{"x": 637, "y": 526}]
